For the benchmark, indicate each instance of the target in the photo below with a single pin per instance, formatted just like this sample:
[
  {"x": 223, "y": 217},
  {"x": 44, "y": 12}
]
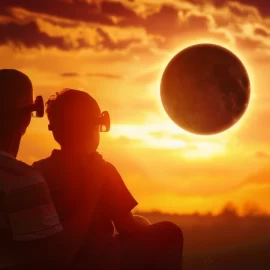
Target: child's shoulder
[{"x": 45, "y": 163}]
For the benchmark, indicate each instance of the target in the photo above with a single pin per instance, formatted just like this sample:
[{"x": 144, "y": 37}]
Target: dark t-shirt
[{"x": 66, "y": 178}]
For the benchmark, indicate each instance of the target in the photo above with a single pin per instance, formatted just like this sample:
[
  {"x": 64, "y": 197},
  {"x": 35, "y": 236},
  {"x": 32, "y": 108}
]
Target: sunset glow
[{"x": 117, "y": 52}]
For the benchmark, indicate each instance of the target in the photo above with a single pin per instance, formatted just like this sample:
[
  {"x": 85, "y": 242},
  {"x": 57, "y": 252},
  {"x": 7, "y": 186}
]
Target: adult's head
[
  {"x": 16, "y": 93},
  {"x": 74, "y": 120}
]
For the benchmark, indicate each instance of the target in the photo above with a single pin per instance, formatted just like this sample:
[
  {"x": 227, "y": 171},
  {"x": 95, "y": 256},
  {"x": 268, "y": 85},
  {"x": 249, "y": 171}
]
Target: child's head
[{"x": 74, "y": 120}]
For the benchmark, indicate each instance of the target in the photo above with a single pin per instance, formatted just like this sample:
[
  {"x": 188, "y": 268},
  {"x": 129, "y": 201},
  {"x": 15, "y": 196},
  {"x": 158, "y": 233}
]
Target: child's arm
[{"x": 130, "y": 223}]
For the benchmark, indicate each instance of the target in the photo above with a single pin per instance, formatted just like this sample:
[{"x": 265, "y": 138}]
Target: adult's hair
[
  {"x": 72, "y": 115},
  {"x": 16, "y": 92}
]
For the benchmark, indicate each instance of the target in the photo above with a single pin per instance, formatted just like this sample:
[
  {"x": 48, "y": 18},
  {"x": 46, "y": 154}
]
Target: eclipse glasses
[{"x": 37, "y": 110}]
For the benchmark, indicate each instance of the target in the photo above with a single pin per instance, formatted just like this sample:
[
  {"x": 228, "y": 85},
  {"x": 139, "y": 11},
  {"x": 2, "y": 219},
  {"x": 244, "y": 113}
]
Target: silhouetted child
[{"x": 75, "y": 120}]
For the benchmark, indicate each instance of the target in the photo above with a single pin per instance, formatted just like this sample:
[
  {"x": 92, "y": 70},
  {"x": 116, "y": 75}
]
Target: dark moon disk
[{"x": 205, "y": 89}]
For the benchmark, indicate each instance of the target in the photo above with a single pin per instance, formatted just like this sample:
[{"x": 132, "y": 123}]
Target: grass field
[{"x": 226, "y": 241}]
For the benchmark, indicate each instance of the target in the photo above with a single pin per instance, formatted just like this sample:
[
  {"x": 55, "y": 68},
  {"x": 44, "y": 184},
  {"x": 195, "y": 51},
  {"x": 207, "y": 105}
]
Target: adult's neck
[{"x": 10, "y": 145}]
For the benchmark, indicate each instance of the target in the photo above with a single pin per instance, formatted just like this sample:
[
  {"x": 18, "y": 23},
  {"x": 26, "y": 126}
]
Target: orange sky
[{"x": 116, "y": 51}]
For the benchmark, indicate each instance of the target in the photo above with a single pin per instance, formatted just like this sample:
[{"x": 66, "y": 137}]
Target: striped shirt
[{"x": 26, "y": 209}]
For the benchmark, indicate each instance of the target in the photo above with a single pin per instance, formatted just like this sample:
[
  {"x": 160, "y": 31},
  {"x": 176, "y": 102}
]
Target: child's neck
[{"x": 78, "y": 150}]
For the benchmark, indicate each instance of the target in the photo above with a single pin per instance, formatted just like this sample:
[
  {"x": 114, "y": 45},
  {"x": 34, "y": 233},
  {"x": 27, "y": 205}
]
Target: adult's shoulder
[
  {"x": 17, "y": 175},
  {"x": 18, "y": 168}
]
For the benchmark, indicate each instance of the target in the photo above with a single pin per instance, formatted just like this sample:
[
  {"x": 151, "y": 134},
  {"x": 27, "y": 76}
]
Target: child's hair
[
  {"x": 72, "y": 106},
  {"x": 73, "y": 113}
]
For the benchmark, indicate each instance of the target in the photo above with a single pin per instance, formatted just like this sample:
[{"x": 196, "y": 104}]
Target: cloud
[
  {"x": 70, "y": 74},
  {"x": 250, "y": 43},
  {"x": 104, "y": 75},
  {"x": 148, "y": 76},
  {"x": 29, "y": 35},
  {"x": 261, "y": 32},
  {"x": 261, "y": 5},
  {"x": 94, "y": 12},
  {"x": 116, "y": 9},
  {"x": 157, "y": 23},
  {"x": 78, "y": 10},
  {"x": 170, "y": 26},
  {"x": 107, "y": 42},
  {"x": 99, "y": 75},
  {"x": 261, "y": 177},
  {"x": 261, "y": 154},
  {"x": 166, "y": 21},
  {"x": 164, "y": 28},
  {"x": 239, "y": 10}
]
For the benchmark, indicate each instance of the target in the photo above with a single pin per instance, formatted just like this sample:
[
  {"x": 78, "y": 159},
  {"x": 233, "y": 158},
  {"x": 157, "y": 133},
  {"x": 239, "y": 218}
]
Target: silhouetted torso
[
  {"x": 26, "y": 212},
  {"x": 67, "y": 176}
]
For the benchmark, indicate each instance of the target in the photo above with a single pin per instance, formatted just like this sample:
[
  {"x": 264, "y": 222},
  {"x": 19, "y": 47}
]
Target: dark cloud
[
  {"x": 218, "y": 3},
  {"x": 107, "y": 42},
  {"x": 90, "y": 11},
  {"x": 197, "y": 22},
  {"x": 4, "y": 11},
  {"x": 117, "y": 9},
  {"x": 261, "y": 32},
  {"x": 29, "y": 35},
  {"x": 70, "y": 74},
  {"x": 262, "y": 5},
  {"x": 77, "y": 10},
  {"x": 100, "y": 75},
  {"x": 104, "y": 75},
  {"x": 167, "y": 28},
  {"x": 61, "y": 23},
  {"x": 249, "y": 43},
  {"x": 238, "y": 11},
  {"x": 164, "y": 24},
  {"x": 158, "y": 22}
]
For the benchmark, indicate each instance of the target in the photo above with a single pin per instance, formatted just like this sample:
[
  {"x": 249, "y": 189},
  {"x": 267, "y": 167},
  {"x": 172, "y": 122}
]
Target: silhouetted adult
[
  {"x": 31, "y": 234},
  {"x": 75, "y": 120}
]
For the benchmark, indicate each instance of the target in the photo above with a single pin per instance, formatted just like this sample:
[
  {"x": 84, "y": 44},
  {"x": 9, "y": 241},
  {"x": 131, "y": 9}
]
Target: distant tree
[
  {"x": 252, "y": 210},
  {"x": 229, "y": 210},
  {"x": 157, "y": 212},
  {"x": 209, "y": 214},
  {"x": 196, "y": 214}
]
